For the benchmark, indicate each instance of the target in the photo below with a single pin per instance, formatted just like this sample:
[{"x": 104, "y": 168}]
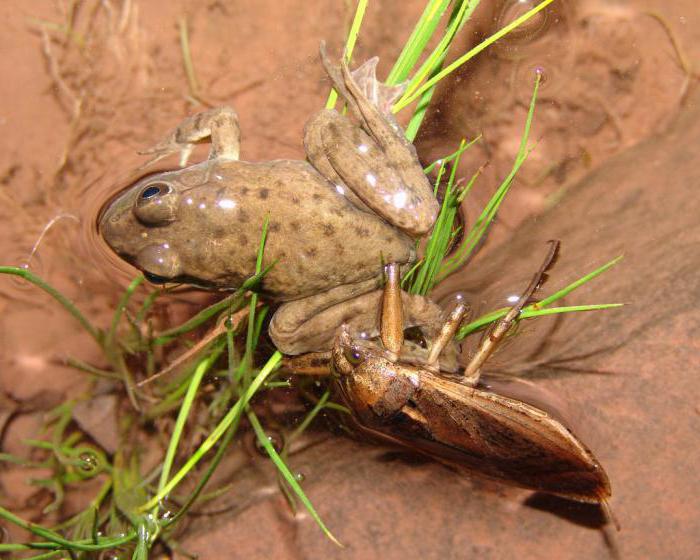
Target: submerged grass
[{"x": 130, "y": 506}]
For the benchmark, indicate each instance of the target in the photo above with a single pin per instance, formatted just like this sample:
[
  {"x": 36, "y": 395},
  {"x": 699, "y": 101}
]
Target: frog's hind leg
[
  {"x": 317, "y": 151},
  {"x": 220, "y": 125},
  {"x": 311, "y": 324},
  {"x": 361, "y": 85},
  {"x": 374, "y": 160}
]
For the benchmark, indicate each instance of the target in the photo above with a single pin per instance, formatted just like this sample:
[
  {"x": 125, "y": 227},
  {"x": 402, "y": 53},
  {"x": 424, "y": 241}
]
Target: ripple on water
[
  {"x": 109, "y": 267},
  {"x": 548, "y": 25},
  {"x": 529, "y": 31}
]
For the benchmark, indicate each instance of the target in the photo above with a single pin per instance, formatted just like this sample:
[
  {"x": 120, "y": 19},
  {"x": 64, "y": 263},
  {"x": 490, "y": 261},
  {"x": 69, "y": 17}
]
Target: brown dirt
[{"x": 606, "y": 178}]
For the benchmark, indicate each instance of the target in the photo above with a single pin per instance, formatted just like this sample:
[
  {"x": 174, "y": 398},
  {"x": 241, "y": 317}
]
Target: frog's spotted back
[{"x": 332, "y": 221}]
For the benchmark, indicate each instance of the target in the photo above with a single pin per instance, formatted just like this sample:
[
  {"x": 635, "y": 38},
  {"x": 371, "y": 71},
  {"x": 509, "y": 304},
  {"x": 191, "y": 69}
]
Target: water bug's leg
[
  {"x": 312, "y": 363},
  {"x": 392, "y": 311},
  {"x": 496, "y": 335},
  {"x": 447, "y": 332}
]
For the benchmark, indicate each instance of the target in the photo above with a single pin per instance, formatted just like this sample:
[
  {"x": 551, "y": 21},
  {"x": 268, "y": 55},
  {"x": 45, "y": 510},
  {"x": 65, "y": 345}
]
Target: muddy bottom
[{"x": 612, "y": 172}]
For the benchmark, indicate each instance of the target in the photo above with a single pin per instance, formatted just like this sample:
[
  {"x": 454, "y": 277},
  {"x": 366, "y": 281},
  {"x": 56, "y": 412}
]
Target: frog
[{"x": 360, "y": 199}]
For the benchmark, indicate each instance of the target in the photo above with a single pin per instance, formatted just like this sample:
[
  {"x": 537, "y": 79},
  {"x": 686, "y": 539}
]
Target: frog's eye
[
  {"x": 154, "y": 189},
  {"x": 353, "y": 355},
  {"x": 157, "y": 204}
]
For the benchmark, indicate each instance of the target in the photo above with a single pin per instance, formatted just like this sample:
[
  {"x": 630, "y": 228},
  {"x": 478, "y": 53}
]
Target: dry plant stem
[
  {"x": 67, "y": 99},
  {"x": 55, "y": 72},
  {"x": 683, "y": 61},
  {"x": 493, "y": 338},
  {"x": 219, "y": 329},
  {"x": 392, "y": 312}
]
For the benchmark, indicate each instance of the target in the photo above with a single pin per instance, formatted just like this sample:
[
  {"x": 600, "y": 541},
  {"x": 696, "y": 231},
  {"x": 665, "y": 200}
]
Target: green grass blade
[
  {"x": 418, "y": 115},
  {"x": 461, "y": 12},
  {"x": 578, "y": 283},
  {"x": 207, "y": 313},
  {"x": 415, "y": 45},
  {"x": 148, "y": 303},
  {"x": 182, "y": 416},
  {"x": 211, "y": 468},
  {"x": 440, "y": 237},
  {"x": 408, "y": 99},
  {"x": 67, "y": 304},
  {"x": 477, "y": 232},
  {"x": 254, "y": 299},
  {"x": 454, "y": 155},
  {"x": 529, "y": 313},
  {"x": 318, "y": 407},
  {"x": 121, "y": 307},
  {"x": 220, "y": 429},
  {"x": 56, "y": 541},
  {"x": 142, "y": 542},
  {"x": 288, "y": 475},
  {"x": 541, "y": 307},
  {"x": 350, "y": 44}
]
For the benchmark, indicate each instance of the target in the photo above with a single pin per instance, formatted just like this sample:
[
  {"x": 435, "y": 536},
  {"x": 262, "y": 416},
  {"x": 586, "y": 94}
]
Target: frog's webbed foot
[
  {"x": 375, "y": 159},
  {"x": 361, "y": 90},
  {"x": 382, "y": 95},
  {"x": 220, "y": 125}
]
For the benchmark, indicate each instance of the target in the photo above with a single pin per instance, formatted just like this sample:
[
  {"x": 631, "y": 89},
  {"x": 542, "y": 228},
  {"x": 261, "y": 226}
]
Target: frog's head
[
  {"x": 369, "y": 378},
  {"x": 136, "y": 225}
]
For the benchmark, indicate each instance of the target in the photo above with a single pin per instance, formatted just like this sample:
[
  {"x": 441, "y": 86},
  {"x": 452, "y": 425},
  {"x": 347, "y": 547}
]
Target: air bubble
[
  {"x": 88, "y": 462},
  {"x": 31, "y": 264},
  {"x": 529, "y": 30},
  {"x": 274, "y": 438}
]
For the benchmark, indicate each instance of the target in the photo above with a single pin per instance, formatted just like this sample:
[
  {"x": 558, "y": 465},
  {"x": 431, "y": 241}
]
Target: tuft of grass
[
  {"x": 123, "y": 504},
  {"x": 476, "y": 233},
  {"x": 415, "y": 91}
]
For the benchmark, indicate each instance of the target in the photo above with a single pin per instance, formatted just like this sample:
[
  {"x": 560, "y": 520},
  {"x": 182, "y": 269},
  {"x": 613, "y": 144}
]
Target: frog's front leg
[
  {"x": 220, "y": 125},
  {"x": 374, "y": 160}
]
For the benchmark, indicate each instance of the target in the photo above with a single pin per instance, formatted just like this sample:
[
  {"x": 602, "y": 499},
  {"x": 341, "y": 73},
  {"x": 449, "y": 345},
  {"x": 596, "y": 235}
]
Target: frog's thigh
[
  {"x": 300, "y": 326},
  {"x": 317, "y": 152},
  {"x": 294, "y": 330},
  {"x": 376, "y": 178}
]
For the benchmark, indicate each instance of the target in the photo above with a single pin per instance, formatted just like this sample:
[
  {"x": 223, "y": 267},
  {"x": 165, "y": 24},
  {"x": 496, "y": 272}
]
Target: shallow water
[{"x": 612, "y": 78}]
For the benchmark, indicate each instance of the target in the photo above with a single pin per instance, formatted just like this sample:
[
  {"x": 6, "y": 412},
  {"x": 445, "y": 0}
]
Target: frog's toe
[{"x": 166, "y": 148}]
